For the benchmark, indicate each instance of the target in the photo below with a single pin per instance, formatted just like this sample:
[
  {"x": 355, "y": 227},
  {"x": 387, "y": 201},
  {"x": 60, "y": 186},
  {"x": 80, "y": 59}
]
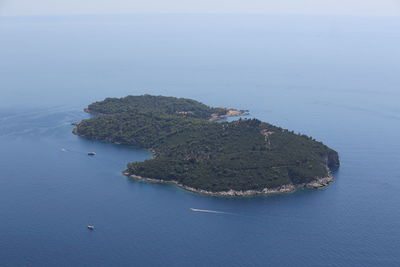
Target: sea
[{"x": 335, "y": 78}]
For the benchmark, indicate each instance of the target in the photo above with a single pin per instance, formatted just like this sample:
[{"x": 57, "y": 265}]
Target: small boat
[
  {"x": 90, "y": 227},
  {"x": 91, "y": 153}
]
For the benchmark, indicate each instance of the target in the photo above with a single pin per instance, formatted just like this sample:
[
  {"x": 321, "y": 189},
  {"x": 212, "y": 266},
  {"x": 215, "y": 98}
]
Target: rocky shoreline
[{"x": 318, "y": 183}]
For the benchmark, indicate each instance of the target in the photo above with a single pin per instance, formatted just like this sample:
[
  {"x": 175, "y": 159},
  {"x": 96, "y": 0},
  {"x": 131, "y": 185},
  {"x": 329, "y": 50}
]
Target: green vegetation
[
  {"x": 215, "y": 156},
  {"x": 155, "y": 104}
]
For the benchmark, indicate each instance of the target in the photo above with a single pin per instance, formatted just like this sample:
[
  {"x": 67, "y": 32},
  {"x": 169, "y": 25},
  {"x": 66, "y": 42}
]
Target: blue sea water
[{"x": 334, "y": 78}]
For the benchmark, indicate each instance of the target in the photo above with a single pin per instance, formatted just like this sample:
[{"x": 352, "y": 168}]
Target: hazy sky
[{"x": 346, "y": 7}]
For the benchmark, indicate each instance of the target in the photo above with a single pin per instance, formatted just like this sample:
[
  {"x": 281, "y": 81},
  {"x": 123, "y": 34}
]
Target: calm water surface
[{"x": 334, "y": 78}]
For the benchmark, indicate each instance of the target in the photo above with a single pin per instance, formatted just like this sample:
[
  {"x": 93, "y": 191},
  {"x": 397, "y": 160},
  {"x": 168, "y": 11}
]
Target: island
[{"x": 195, "y": 149}]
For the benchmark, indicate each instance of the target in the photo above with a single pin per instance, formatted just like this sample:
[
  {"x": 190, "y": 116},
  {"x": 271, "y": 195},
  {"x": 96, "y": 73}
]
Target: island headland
[{"x": 196, "y": 151}]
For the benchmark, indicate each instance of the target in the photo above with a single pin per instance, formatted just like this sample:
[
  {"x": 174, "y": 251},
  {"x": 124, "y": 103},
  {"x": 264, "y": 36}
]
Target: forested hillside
[
  {"x": 155, "y": 104},
  {"x": 246, "y": 154}
]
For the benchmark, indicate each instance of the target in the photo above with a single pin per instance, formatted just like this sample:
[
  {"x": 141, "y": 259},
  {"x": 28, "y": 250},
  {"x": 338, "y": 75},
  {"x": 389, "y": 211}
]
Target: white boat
[
  {"x": 91, "y": 153},
  {"x": 90, "y": 227}
]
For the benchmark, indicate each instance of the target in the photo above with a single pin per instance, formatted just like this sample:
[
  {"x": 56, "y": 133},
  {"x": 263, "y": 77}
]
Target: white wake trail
[{"x": 210, "y": 211}]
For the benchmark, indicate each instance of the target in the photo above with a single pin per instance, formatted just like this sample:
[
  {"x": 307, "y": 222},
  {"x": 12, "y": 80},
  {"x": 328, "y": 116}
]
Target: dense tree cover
[
  {"x": 155, "y": 104},
  {"x": 214, "y": 156}
]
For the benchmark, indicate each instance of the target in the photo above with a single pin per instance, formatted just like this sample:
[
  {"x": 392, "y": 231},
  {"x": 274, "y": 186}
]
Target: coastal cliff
[{"x": 332, "y": 159}]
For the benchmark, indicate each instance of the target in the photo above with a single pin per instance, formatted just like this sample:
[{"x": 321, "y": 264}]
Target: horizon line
[{"x": 196, "y": 13}]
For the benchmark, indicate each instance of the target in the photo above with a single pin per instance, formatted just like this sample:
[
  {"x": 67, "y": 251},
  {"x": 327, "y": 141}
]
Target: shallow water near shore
[{"x": 335, "y": 79}]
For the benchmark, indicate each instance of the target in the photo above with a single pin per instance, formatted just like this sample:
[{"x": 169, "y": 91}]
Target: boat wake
[
  {"x": 76, "y": 151},
  {"x": 210, "y": 211}
]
